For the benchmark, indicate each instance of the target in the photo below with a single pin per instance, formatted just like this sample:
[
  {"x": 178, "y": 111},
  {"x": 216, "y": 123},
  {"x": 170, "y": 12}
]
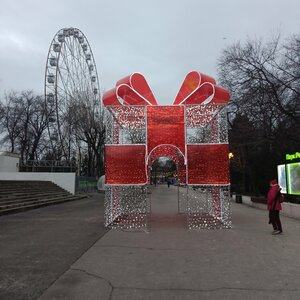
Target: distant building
[{"x": 9, "y": 162}]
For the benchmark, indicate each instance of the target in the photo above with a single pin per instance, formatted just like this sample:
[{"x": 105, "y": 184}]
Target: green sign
[
  {"x": 293, "y": 176},
  {"x": 292, "y": 156}
]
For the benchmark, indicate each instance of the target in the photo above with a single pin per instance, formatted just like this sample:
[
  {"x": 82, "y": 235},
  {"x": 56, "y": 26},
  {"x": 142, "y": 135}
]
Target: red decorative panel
[
  {"x": 125, "y": 164},
  {"x": 208, "y": 164},
  {"x": 165, "y": 125}
]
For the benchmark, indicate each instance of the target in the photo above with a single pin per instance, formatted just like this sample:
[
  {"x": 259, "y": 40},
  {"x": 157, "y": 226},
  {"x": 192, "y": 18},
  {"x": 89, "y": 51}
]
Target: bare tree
[
  {"x": 10, "y": 121},
  {"x": 264, "y": 81},
  {"x": 1, "y": 110},
  {"x": 89, "y": 131},
  {"x": 38, "y": 125},
  {"x": 24, "y": 122},
  {"x": 254, "y": 73}
]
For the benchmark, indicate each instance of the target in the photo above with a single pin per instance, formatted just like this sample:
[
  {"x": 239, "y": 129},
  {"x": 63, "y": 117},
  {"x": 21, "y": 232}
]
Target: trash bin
[{"x": 238, "y": 199}]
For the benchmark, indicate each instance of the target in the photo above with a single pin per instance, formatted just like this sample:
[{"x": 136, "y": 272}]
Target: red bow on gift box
[{"x": 196, "y": 88}]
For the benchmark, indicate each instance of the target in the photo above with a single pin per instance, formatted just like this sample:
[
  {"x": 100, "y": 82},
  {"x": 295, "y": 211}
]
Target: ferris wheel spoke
[
  {"x": 68, "y": 71},
  {"x": 70, "y": 80},
  {"x": 63, "y": 92}
]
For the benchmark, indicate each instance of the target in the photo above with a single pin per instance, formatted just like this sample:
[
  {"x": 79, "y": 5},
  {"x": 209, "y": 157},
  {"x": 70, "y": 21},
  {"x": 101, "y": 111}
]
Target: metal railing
[{"x": 52, "y": 166}]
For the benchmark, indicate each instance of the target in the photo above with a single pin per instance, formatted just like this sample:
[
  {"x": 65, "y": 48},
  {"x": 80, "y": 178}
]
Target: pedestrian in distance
[
  {"x": 275, "y": 199},
  {"x": 169, "y": 182}
]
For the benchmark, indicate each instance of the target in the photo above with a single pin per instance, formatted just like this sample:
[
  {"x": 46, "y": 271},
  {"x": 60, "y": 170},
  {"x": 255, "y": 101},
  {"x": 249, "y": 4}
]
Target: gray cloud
[{"x": 162, "y": 39}]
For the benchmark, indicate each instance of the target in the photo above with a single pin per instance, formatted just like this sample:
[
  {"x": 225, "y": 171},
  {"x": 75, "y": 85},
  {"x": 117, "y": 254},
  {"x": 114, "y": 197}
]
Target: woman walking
[{"x": 274, "y": 206}]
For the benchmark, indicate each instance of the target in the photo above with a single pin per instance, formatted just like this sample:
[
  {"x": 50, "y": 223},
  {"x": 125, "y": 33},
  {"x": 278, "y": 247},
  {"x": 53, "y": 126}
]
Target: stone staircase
[{"x": 16, "y": 196}]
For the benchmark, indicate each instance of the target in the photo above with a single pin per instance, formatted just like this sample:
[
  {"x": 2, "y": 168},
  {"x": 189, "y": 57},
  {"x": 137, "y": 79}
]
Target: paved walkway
[
  {"x": 37, "y": 246},
  {"x": 172, "y": 262}
]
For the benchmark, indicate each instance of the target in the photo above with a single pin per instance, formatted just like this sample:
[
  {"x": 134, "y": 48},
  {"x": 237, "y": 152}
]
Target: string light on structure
[{"x": 192, "y": 132}]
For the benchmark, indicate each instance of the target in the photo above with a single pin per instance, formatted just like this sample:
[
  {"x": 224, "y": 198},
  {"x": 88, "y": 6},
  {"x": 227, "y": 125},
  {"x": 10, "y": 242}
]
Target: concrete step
[
  {"x": 32, "y": 197},
  {"x": 25, "y": 192},
  {"x": 38, "y": 203},
  {"x": 21, "y": 195},
  {"x": 8, "y": 189},
  {"x": 29, "y": 191},
  {"x": 34, "y": 200},
  {"x": 18, "y": 184}
]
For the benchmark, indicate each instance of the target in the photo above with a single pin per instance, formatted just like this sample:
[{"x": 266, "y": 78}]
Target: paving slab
[
  {"x": 169, "y": 261},
  {"x": 38, "y": 246}
]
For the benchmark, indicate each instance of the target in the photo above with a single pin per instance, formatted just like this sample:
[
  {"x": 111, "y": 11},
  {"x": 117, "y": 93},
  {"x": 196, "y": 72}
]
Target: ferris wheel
[{"x": 71, "y": 82}]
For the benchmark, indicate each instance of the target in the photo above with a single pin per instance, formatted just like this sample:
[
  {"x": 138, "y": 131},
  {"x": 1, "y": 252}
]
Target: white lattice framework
[{"x": 205, "y": 205}]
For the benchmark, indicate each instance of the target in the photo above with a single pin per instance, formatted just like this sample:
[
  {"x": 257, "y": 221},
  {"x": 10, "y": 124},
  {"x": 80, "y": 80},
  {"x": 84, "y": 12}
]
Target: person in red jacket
[{"x": 274, "y": 206}]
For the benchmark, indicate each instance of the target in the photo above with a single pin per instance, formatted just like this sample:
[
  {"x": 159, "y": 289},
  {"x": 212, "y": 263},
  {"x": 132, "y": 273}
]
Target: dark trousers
[{"x": 274, "y": 219}]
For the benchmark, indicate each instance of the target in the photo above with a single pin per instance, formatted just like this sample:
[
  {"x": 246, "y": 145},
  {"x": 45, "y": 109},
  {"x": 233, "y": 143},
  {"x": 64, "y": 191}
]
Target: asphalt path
[
  {"x": 38, "y": 246},
  {"x": 62, "y": 252},
  {"x": 170, "y": 262}
]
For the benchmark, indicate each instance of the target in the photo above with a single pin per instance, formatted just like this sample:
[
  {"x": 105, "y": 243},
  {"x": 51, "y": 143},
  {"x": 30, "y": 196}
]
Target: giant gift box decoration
[{"x": 192, "y": 132}]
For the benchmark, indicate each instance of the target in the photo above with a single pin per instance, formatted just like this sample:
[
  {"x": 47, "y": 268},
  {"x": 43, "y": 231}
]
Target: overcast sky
[{"x": 162, "y": 39}]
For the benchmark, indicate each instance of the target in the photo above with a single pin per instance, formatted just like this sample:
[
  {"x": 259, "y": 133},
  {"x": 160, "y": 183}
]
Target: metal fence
[
  {"x": 52, "y": 166},
  {"x": 86, "y": 184}
]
